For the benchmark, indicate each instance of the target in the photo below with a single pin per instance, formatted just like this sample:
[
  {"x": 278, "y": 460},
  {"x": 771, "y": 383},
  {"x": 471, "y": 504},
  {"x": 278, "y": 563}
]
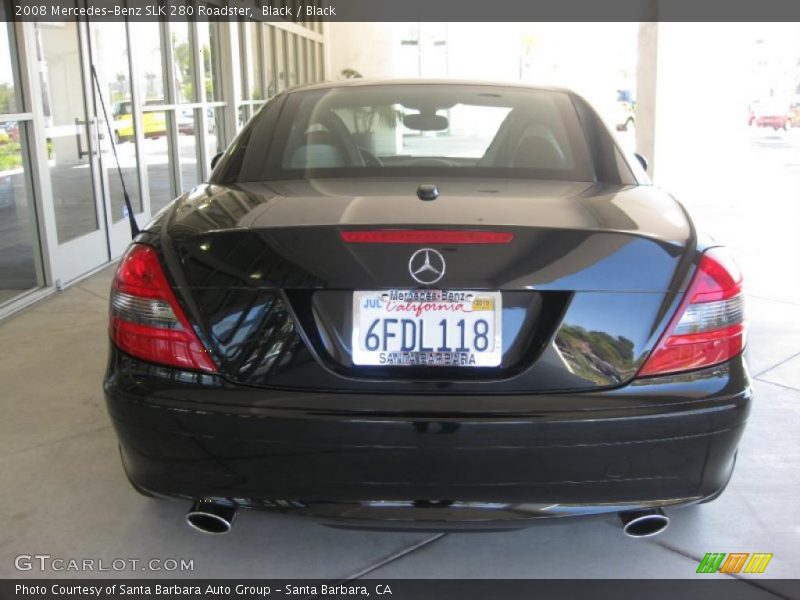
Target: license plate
[{"x": 441, "y": 328}]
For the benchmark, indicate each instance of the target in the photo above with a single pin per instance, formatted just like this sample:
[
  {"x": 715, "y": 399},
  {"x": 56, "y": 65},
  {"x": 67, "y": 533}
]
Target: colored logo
[{"x": 735, "y": 562}]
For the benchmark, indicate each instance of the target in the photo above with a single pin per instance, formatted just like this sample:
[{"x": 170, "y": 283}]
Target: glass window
[
  {"x": 312, "y": 61},
  {"x": 68, "y": 150},
  {"x": 282, "y": 74},
  {"x": 300, "y": 45},
  {"x": 9, "y": 102},
  {"x": 215, "y": 140},
  {"x": 19, "y": 244},
  {"x": 320, "y": 63},
  {"x": 110, "y": 57},
  {"x": 291, "y": 58},
  {"x": 311, "y": 55},
  {"x": 155, "y": 123},
  {"x": 156, "y": 150},
  {"x": 188, "y": 150},
  {"x": 19, "y": 248},
  {"x": 269, "y": 57},
  {"x": 252, "y": 83},
  {"x": 151, "y": 71},
  {"x": 183, "y": 60},
  {"x": 257, "y": 73},
  {"x": 208, "y": 42}
]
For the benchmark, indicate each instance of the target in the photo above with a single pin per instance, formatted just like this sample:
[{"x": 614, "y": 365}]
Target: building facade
[{"x": 176, "y": 93}]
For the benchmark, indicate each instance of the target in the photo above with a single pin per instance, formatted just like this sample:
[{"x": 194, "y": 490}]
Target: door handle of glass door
[
  {"x": 96, "y": 134},
  {"x": 91, "y": 130},
  {"x": 78, "y": 125}
]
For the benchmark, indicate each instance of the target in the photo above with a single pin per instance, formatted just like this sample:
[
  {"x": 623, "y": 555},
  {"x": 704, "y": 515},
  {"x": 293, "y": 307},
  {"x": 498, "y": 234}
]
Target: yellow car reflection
[{"x": 155, "y": 123}]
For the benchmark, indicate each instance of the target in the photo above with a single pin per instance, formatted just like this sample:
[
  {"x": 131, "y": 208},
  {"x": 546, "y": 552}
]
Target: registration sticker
[{"x": 483, "y": 303}]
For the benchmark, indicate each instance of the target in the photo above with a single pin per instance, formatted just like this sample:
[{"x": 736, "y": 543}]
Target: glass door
[
  {"x": 20, "y": 259},
  {"x": 110, "y": 56},
  {"x": 71, "y": 131}
]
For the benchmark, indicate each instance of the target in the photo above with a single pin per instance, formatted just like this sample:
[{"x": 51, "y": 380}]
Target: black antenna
[{"x": 131, "y": 217}]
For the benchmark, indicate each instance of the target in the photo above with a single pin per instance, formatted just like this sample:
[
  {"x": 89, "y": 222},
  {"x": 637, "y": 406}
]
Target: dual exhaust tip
[
  {"x": 643, "y": 523},
  {"x": 212, "y": 517}
]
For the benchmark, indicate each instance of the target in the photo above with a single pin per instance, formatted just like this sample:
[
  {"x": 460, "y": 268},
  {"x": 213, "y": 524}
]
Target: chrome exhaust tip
[
  {"x": 210, "y": 517},
  {"x": 643, "y": 523}
]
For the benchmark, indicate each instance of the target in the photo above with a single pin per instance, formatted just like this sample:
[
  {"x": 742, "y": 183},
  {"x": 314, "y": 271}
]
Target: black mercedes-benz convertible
[{"x": 427, "y": 304}]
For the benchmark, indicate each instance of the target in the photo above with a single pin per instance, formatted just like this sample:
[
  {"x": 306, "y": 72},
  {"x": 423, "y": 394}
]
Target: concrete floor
[{"x": 64, "y": 492}]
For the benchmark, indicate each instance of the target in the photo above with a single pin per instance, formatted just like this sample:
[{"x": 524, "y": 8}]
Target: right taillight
[
  {"x": 146, "y": 320},
  {"x": 709, "y": 326}
]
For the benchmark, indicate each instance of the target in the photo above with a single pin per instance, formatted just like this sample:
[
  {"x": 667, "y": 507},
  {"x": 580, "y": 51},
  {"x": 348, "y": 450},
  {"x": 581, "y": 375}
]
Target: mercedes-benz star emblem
[{"x": 426, "y": 266}]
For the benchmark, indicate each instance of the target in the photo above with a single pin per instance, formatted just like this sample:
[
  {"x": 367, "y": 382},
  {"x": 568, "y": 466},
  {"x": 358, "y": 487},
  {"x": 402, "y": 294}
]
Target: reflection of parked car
[
  {"x": 9, "y": 132},
  {"x": 186, "y": 122},
  {"x": 626, "y": 110},
  {"x": 155, "y": 123},
  {"x": 774, "y": 114}
]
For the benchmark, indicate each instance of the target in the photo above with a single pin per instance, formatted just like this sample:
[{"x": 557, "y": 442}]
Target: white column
[
  {"x": 646, "y": 81},
  {"x": 692, "y": 103}
]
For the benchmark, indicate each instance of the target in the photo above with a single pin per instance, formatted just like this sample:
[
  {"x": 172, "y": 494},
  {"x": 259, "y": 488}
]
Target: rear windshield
[{"x": 391, "y": 130}]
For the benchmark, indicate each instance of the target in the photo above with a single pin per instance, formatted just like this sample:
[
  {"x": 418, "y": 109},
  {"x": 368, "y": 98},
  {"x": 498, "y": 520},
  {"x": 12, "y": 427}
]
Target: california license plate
[{"x": 439, "y": 328}]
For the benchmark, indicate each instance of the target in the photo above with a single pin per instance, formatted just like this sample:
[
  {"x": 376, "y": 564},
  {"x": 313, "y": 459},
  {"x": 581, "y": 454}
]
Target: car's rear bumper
[{"x": 463, "y": 459}]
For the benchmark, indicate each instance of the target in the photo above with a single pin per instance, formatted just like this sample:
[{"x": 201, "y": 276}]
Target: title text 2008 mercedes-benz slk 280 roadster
[{"x": 427, "y": 305}]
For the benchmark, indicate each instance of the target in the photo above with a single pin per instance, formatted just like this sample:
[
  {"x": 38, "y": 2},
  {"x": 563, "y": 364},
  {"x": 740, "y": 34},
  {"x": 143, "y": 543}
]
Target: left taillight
[
  {"x": 145, "y": 318},
  {"x": 709, "y": 326}
]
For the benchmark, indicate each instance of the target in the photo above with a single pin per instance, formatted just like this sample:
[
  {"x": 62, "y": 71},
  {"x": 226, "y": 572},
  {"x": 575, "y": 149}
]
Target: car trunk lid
[{"x": 585, "y": 279}]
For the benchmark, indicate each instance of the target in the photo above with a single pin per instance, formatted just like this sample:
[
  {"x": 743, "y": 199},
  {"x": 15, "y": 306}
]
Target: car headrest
[
  {"x": 537, "y": 152},
  {"x": 317, "y": 156},
  {"x": 320, "y": 136}
]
